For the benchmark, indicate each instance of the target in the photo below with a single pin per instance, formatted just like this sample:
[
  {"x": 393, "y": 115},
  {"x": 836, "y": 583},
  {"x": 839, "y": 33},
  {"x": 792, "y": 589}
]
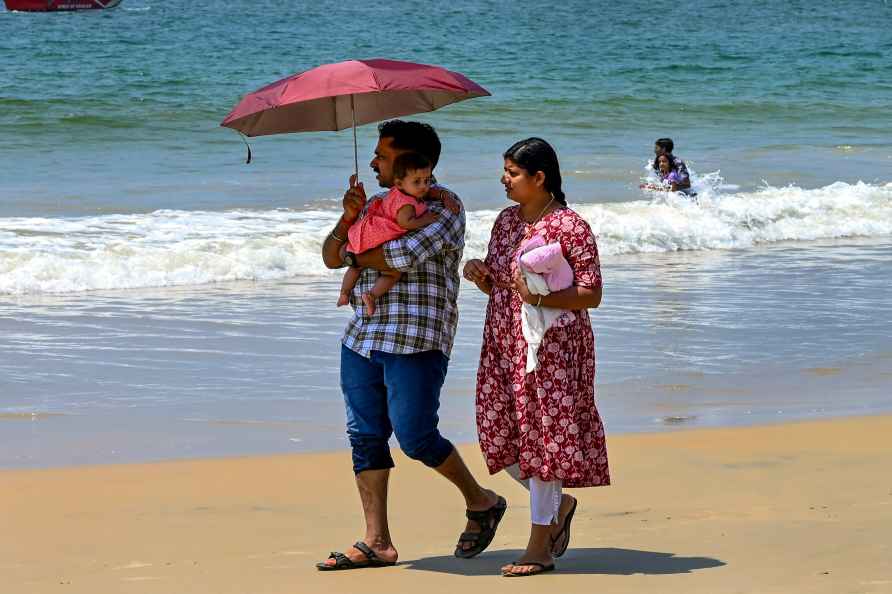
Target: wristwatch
[{"x": 350, "y": 259}]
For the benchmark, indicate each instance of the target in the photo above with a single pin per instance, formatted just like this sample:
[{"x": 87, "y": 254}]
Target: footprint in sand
[
  {"x": 137, "y": 578},
  {"x": 133, "y": 565},
  {"x": 140, "y": 578},
  {"x": 277, "y": 554}
]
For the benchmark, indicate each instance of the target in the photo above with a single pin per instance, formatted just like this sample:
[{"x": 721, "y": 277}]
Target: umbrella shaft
[{"x": 355, "y": 148}]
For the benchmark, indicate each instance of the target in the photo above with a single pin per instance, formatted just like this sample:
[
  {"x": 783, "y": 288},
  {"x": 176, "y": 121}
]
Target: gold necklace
[
  {"x": 541, "y": 214},
  {"x": 530, "y": 226}
]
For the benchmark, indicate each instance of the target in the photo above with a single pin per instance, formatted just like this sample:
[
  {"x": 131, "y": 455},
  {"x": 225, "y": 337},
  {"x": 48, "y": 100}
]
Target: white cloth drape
[{"x": 535, "y": 321}]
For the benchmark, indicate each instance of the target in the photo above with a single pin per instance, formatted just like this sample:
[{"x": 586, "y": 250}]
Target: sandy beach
[{"x": 803, "y": 507}]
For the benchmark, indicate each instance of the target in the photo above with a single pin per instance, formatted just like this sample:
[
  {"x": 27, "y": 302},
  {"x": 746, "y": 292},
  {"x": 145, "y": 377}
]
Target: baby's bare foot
[{"x": 369, "y": 301}]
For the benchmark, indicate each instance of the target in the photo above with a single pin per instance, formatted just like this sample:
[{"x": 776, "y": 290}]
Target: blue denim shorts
[{"x": 389, "y": 393}]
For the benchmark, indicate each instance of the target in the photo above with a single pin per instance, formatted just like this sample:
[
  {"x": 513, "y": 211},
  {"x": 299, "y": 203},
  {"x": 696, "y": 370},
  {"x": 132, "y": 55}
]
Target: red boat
[{"x": 50, "y": 5}]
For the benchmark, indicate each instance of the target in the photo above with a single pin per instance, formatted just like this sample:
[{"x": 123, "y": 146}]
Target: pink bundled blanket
[
  {"x": 547, "y": 260},
  {"x": 545, "y": 270}
]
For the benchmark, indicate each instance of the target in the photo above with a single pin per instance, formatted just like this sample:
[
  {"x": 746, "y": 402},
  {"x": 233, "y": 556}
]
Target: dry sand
[{"x": 778, "y": 509}]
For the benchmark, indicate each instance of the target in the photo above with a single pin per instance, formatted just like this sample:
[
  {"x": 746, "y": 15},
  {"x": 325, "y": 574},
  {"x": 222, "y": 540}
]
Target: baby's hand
[
  {"x": 446, "y": 197},
  {"x": 426, "y": 219}
]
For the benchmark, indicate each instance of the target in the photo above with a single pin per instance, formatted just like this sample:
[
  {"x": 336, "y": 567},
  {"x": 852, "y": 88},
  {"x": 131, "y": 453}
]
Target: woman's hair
[
  {"x": 408, "y": 162},
  {"x": 534, "y": 154}
]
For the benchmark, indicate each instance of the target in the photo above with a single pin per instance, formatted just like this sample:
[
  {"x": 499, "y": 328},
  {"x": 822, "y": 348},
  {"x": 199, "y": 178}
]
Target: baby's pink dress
[{"x": 379, "y": 223}]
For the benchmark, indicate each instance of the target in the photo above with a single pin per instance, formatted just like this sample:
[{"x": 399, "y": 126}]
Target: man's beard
[{"x": 381, "y": 181}]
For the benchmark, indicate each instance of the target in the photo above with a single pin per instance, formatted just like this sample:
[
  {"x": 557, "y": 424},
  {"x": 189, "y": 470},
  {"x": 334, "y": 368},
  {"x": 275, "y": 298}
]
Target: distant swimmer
[
  {"x": 673, "y": 172},
  {"x": 670, "y": 179}
]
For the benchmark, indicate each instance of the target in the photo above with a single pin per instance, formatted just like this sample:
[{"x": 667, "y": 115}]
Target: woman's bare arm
[{"x": 570, "y": 298}]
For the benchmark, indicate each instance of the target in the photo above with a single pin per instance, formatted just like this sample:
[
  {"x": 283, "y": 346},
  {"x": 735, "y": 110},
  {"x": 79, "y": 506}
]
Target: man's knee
[{"x": 430, "y": 449}]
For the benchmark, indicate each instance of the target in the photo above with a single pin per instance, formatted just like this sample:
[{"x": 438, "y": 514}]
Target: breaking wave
[{"x": 171, "y": 248}]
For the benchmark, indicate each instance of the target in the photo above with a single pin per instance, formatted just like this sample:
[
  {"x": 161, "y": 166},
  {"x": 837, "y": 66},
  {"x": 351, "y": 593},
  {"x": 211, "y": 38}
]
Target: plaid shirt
[{"x": 420, "y": 313}]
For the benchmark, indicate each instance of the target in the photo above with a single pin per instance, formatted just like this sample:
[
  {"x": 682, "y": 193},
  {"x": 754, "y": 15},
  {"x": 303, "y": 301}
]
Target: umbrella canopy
[
  {"x": 352, "y": 93},
  {"x": 355, "y": 92}
]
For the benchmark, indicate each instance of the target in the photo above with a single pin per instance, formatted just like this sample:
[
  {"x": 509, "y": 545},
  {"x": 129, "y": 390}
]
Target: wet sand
[
  {"x": 251, "y": 369},
  {"x": 803, "y": 507}
]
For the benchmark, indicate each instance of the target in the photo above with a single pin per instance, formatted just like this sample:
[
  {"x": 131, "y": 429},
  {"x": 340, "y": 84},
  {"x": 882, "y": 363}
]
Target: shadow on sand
[{"x": 576, "y": 561}]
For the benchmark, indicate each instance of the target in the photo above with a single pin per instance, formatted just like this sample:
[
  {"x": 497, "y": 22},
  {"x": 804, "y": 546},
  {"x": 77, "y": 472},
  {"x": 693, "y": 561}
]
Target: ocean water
[{"x": 160, "y": 298}]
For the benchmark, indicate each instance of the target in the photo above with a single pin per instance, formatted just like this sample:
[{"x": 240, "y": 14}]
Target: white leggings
[{"x": 545, "y": 497}]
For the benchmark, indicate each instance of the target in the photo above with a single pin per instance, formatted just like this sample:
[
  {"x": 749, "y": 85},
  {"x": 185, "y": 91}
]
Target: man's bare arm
[
  {"x": 373, "y": 259},
  {"x": 335, "y": 242}
]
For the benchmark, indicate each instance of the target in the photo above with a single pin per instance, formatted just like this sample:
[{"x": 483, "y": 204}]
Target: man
[
  {"x": 664, "y": 146},
  {"x": 393, "y": 364}
]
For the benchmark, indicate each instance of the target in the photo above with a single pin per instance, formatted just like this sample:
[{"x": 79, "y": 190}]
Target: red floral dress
[{"x": 545, "y": 420}]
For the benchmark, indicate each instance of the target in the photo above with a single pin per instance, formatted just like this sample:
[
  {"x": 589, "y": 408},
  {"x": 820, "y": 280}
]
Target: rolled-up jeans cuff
[
  {"x": 439, "y": 453},
  {"x": 370, "y": 458}
]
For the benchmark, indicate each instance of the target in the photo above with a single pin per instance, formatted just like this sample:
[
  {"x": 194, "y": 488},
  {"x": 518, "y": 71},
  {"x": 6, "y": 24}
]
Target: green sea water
[
  {"x": 118, "y": 110},
  {"x": 159, "y": 298}
]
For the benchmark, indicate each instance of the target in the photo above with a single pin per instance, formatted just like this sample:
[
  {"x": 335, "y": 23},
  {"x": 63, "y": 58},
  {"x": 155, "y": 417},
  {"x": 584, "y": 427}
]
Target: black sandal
[
  {"x": 542, "y": 569},
  {"x": 488, "y": 521},
  {"x": 564, "y": 530},
  {"x": 342, "y": 561}
]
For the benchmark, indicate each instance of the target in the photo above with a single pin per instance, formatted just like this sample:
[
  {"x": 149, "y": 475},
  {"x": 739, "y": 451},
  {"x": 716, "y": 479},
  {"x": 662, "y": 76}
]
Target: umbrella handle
[{"x": 245, "y": 140}]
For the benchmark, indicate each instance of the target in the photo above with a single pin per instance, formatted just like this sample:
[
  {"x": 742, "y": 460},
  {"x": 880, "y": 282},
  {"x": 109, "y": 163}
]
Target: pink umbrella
[{"x": 355, "y": 92}]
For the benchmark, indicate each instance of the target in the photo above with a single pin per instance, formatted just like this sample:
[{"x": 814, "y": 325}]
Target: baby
[{"x": 402, "y": 210}]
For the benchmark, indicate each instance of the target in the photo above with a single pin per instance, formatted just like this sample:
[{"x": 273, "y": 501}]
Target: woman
[{"x": 543, "y": 426}]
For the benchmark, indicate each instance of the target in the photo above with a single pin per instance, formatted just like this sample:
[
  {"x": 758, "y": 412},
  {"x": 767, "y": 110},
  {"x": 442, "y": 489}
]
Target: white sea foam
[
  {"x": 158, "y": 249},
  {"x": 717, "y": 220},
  {"x": 167, "y": 248}
]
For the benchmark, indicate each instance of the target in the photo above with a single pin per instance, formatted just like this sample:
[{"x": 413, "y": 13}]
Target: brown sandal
[
  {"x": 342, "y": 561},
  {"x": 564, "y": 531},
  {"x": 542, "y": 569},
  {"x": 488, "y": 521}
]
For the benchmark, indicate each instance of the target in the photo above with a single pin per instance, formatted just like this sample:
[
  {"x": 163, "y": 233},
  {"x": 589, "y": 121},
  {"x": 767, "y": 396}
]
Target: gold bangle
[
  {"x": 539, "y": 303},
  {"x": 338, "y": 239}
]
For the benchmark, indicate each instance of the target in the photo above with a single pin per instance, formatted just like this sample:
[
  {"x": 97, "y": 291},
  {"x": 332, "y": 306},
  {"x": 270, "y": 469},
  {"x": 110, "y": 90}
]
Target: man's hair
[
  {"x": 408, "y": 162},
  {"x": 666, "y": 144},
  {"x": 412, "y": 136}
]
